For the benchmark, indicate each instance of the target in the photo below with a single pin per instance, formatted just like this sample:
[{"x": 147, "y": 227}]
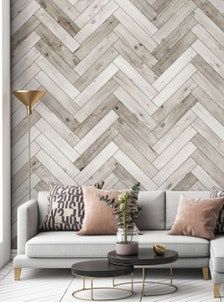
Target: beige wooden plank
[
  {"x": 103, "y": 172},
  {"x": 96, "y": 148},
  {"x": 98, "y": 35},
  {"x": 24, "y": 47},
  {"x": 218, "y": 4},
  {"x": 24, "y": 63},
  {"x": 210, "y": 26},
  {"x": 96, "y": 132},
  {"x": 209, "y": 135},
  {"x": 57, "y": 30},
  {"x": 145, "y": 7},
  {"x": 57, "y": 124},
  {"x": 140, "y": 159},
  {"x": 177, "y": 35},
  {"x": 110, "y": 181},
  {"x": 135, "y": 45},
  {"x": 171, "y": 119},
  {"x": 55, "y": 90},
  {"x": 209, "y": 105},
  {"x": 137, "y": 16},
  {"x": 135, "y": 108},
  {"x": 81, "y": 5},
  {"x": 22, "y": 143},
  {"x": 198, "y": 186},
  {"x": 57, "y": 77},
  {"x": 209, "y": 57},
  {"x": 56, "y": 45},
  {"x": 54, "y": 137},
  {"x": 135, "y": 92},
  {"x": 131, "y": 123},
  {"x": 209, "y": 41},
  {"x": 208, "y": 72},
  {"x": 93, "y": 119},
  {"x": 178, "y": 175},
  {"x": 135, "y": 29},
  {"x": 57, "y": 61},
  {"x": 95, "y": 54},
  {"x": 168, "y": 12},
  {"x": 23, "y": 158},
  {"x": 174, "y": 21},
  {"x": 209, "y": 88},
  {"x": 131, "y": 136},
  {"x": 21, "y": 18},
  {"x": 133, "y": 59},
  {"x": 58, "y": 15},
  {"x": 124, "y": 176},
  {"x": 17, "y": 7},
  {"x": 133, "y": 75},
  {"x": 174, "y": 164},
  {"x": 174, "y": 53},
  {"x": 174, "y": 85},
  {"x": 209, "y": 167},
  {"x": 95, "y": 70},
  {"x": 96, "y": 22},
  {"x": 174, "y": 148},
  {"x": 186, "y": 183},
  {"x": 133, "y": 169},
  {"x": 174, "y": 69},
  {"x": 55, "y": 169},
  {"x": 174, "y": 132},
  {"x": 96, "y": 163},
  {"x": 175, "y": 100},
  {"x": 96, "y": 85},
  {"x": 57, "y": 155},
  {"x": 68, "y": 8},
  {"x": 211, "y": 122},
  {"x": 204, "y": 177},
  {"x": 90, "y": 12},
  {"x": 96, "y": 100}
]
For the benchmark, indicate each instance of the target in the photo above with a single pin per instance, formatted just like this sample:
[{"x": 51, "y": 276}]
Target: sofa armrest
[
  {"x": 217, "y": 253},
  {"x": 27, "y": 224}
]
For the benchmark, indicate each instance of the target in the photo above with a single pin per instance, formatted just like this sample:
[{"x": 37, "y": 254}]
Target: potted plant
[{"x": 126, "y": 211}]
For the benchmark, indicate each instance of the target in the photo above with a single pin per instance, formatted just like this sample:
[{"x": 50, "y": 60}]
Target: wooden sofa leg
[
  {"x": 217, "y": 291},
  {"x": 17, "y": 273},
  {"x": 205, "y": 272}
]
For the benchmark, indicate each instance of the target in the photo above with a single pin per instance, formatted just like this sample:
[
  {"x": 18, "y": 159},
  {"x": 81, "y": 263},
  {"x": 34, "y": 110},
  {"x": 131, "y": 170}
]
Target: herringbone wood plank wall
[{"x": 135, "y": 92}]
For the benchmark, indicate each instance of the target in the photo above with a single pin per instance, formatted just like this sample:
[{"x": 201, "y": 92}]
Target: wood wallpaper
[{"x": 135, "y": 91}]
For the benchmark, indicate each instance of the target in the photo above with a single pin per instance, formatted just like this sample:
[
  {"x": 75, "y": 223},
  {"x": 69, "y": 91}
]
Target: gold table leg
[
  {"x": 83, "y": 282},
  {"x": 143, "y": 284},
  {"x": 132, "y": 282}
]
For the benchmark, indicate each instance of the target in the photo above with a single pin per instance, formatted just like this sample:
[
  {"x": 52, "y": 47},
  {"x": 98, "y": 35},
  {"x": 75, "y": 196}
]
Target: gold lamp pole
[{"x": 29, "y": 98}]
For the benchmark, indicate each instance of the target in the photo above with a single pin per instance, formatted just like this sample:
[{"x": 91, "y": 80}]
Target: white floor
[{"x": 54, "y": 285}]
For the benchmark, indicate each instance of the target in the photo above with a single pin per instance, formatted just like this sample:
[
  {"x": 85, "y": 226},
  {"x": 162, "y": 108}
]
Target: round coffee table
[
  {"x": 100, "y": 269},
  {"x": 146, "y": 257}
]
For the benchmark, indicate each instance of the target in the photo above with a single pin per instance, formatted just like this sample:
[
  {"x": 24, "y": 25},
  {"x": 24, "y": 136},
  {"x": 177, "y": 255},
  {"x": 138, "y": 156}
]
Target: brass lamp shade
[{"x": 29, "y": 97}]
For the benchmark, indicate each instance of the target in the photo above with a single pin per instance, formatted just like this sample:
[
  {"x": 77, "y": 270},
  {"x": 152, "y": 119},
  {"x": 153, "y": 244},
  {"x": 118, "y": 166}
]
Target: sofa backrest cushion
[
  {"x": 152, "y": 216},
  {"x": 172, "y": 201},
  {"x": 42, "y": 206}
]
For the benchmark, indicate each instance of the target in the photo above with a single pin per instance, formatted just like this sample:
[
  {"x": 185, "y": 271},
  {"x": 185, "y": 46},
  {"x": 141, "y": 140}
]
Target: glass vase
[{"x": 127, "y": 242}]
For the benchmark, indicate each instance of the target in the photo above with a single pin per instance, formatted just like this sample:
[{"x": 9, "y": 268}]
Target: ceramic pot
[{"x": 125, "y": 249}]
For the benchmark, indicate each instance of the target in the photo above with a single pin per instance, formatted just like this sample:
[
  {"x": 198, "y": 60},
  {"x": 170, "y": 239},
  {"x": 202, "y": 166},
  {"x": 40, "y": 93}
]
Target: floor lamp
[{"x": 29, "y": 98}]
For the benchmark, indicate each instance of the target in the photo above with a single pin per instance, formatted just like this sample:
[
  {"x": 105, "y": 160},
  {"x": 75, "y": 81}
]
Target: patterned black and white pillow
[
  {"x": 216, "y": 193},
  {"x": 66, "y": 208}
]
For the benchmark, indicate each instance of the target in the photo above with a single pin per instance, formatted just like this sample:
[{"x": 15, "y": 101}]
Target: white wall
[{"x": 5, "y": 168}]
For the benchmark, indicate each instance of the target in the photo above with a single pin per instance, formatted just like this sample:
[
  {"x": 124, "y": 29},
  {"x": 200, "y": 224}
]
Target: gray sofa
[{"x": 61, "y": 249}]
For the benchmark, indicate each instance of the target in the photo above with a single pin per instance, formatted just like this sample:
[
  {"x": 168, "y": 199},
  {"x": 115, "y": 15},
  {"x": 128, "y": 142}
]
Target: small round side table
[{"x": 100, "y": 269}]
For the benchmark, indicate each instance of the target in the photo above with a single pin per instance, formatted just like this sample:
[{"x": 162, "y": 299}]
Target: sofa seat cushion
[
  {"x": 186, "y": 246},
  {"x": 63, "y": 244},
  {"x": 217, "y": 253}
]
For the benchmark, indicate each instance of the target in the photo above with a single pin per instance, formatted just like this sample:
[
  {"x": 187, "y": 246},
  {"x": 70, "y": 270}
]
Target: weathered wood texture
[{"x": 135, "y": 92}]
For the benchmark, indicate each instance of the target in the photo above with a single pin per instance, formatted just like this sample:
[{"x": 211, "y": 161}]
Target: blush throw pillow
[
  {"x": 98, "y": 219},
  {"x": 65, "y": 208},
  {"x": 196, "y": 217},
  {"x": 217, "y": 193}
]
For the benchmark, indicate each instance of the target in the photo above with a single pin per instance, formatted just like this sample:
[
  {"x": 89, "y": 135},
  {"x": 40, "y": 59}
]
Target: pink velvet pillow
[
  {"x": 98, "y": 219},
  {"x": 196, "y": 217}
]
